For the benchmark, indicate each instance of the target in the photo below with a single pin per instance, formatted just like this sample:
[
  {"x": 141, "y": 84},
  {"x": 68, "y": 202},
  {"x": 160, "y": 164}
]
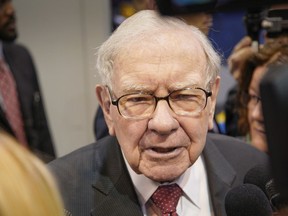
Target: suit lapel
[
  {"x": 114, "y": 191},
  {"x": 220, "y": 176}
]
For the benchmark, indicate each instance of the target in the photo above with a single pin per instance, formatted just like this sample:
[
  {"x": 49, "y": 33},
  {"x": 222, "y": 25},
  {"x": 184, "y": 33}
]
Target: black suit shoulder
[
  {"x": 82, "y": 173},
  {"x": 235, "y": 149},
  {"x": 17, "y": 52},
  {"x": 240, "y": 155},
  {"x": 90, "y": 156}
]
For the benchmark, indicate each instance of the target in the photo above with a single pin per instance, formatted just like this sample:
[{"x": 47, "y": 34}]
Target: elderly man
[{"x": 158, "y": 93}]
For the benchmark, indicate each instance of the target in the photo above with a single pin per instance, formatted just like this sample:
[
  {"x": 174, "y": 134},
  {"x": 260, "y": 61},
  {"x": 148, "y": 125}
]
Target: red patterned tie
[
  {"x": 10, "y": 101},
  {"x": 166, "y": 198}
]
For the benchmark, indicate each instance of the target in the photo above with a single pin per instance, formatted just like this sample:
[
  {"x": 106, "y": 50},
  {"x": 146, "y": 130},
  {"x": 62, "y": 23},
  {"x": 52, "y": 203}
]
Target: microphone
[
  {"x": 247, "y": 200},
  {"x": 277, "y": 201},
  {"x": 259, "y": 175}
]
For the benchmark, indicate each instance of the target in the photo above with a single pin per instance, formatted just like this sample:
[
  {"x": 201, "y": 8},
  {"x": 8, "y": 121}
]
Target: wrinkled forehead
[
  {"x": 162, "y": 45},
  {"x": 167, "y": 53}
]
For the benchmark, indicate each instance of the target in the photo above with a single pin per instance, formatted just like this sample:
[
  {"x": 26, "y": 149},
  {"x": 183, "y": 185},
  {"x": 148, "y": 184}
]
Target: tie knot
[{"x": 166, "y": 198}]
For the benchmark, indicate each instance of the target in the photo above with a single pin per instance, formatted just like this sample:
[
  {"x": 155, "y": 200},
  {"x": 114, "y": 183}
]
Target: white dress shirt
[{"x": 196, "y": 198}]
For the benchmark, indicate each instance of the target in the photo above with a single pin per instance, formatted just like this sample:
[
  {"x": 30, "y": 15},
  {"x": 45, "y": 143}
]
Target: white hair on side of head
[{"x": 139, "y": 26}]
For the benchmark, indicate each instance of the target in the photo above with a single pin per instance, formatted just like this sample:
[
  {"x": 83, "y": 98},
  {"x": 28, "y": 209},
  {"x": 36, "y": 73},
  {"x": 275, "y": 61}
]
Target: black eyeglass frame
[
  {"x": 247, "y": 98},
  {"x": 115, "y": 102}
]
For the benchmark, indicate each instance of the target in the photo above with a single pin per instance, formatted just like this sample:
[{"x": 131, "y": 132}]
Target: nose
[
  {"x": 163, "y": 119},
  {"x": 257, "y": 111}
]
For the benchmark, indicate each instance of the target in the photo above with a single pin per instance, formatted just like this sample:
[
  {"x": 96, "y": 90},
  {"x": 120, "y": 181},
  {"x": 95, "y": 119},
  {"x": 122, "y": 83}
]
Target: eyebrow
[{"x": 136, "y": 88}]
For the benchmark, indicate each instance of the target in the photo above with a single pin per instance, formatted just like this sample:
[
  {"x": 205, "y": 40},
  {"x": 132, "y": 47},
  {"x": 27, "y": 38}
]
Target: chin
[
  {"x": 164, "y": 174},
  {"x": 161, "y": 178},
  {"x": 260, "y": 144}
]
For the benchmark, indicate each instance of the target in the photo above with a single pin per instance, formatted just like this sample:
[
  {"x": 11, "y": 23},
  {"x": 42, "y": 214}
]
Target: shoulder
[
  {"x": 12, "y": 47},
  {"x": 229, "y": 143},
  {"x": 84, "y": 159},
  {"x": 76, "y": 172},
  {"x": 236, "y": 150},
  {"x": 17, "y": 53}
]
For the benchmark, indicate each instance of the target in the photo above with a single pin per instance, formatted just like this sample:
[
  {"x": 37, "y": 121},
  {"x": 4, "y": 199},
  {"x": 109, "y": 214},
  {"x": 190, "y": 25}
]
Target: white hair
[{"x": 144, "y": 23}]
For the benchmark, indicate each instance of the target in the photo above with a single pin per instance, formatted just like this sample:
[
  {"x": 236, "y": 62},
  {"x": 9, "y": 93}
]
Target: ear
[
  {"x": 103, "y": 98},
  {"x": 215, "y": 90}
]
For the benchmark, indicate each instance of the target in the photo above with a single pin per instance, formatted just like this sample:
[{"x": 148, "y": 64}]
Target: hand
[{"x": 240, "y": 54}]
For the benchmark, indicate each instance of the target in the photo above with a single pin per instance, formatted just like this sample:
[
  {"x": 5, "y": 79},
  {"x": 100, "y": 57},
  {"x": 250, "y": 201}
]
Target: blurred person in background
[
  {"x": 243, "y": 51},
  {"x": 251, "y": 121},
  {"x": 26, "y": 186},
  {"x": 22, "y": 112}
]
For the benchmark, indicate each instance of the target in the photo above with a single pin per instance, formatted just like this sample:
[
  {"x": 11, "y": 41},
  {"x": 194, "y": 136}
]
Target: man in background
[{"x": 22, "y": 111}]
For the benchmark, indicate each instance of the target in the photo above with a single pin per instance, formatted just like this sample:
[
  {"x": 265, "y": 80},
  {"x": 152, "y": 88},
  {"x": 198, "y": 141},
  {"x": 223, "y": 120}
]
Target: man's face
[
  {"x": 164, "y": 145},
  {"x": 8, "y": 31}
]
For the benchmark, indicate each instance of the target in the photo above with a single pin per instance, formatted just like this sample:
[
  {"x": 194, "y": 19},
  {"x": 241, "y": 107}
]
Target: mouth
[
  {"x": 259, "y": 130},
  {"x": 11, "y": 25},
  {"x": 163, "y": 150},
  {"x": 167, "y": 153}
]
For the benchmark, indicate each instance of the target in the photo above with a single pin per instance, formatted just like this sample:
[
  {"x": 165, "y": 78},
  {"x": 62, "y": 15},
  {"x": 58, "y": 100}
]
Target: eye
[
  {"x": 254, "y": 98},
  {"x": 186, "y": 97},
  {"x": 136, "y": 99}
]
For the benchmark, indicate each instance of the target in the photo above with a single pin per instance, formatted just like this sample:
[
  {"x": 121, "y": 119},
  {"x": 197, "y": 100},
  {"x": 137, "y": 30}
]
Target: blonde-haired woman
[{"x": 26, "y": 186}]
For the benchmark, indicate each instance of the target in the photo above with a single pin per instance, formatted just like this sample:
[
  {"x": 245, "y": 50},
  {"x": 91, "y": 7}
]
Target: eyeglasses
[
  {"x": 184, "y": 102},
  {"x": 253, "y": 99},
  {"x": 250, "y": 99}
]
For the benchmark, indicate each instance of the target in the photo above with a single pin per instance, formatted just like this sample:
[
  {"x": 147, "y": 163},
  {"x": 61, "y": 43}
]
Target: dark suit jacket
[
  {"x": 30, "y": 98},
  {"x": 94, "y": 179},
  {"x": 99, "y": 126}
]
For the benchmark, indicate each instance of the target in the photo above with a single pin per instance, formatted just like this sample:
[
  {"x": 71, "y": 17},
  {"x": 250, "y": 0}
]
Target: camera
[{"x": 259, "y": 15}]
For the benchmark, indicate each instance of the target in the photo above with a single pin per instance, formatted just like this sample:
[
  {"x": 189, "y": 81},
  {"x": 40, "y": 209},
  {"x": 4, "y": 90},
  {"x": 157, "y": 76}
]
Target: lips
[
  {"x": 257, "y": 126},
  {"x": 260, "y": 130},
  {"x": 163, "y": 150},
  {"x": 163, "y": 153}
]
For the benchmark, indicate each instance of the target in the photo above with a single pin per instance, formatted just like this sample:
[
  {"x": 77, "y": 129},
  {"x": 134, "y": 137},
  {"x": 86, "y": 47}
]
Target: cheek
[
  {"x": 249, "y": 115},
  {"x": 196, "y": 129},
  {"x": 128, "y": 135},
  {"x": 197, "y": 144},
  {"x": 259, "y": 141}
]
